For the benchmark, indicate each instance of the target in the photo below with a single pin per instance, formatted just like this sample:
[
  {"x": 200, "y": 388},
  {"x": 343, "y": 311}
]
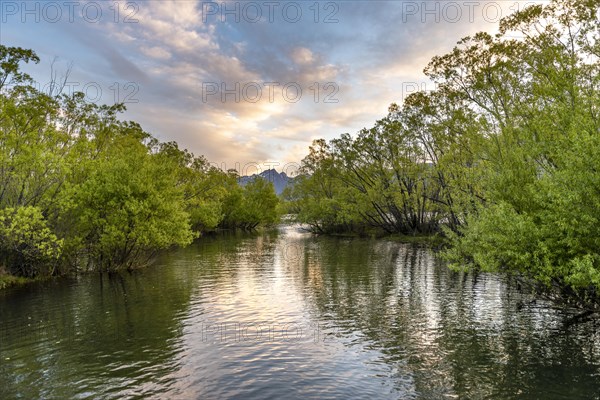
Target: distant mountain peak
[{"x": 280, "y": 180}]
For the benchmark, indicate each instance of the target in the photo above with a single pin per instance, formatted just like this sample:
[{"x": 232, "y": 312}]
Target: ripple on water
[{"x": 286, "y": 314}]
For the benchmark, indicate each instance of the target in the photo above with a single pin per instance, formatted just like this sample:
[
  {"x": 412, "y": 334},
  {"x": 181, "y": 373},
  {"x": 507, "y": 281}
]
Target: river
[{"x": 285, "y": 314}]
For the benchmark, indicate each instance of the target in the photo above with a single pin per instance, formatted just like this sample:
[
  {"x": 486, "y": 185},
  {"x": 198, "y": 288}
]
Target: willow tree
[
  {"x": 538, "y": 97},
  {"x": 81, "y": 189}
]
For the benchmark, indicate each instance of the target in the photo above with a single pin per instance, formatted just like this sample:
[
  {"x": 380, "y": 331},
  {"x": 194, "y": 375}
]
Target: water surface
[{"x": 289, "y": 315}]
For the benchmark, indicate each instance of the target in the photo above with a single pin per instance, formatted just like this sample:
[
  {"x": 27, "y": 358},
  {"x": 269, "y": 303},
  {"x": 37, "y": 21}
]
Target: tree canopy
[
  {"x": 503, "y": 157},
  {"x": 81, "y": 189}
]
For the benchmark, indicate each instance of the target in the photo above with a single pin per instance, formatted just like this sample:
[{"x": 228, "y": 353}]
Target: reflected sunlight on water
[{"x": 288, "y": 314}]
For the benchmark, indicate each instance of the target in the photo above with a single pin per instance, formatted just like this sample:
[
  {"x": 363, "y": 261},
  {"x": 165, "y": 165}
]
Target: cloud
[
  {"x": 302, "y": 56},
  {"x": 179, "y": 53},
  {"x": 156, "y": 52}
]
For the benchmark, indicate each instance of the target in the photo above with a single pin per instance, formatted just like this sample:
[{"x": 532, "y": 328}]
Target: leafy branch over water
[
  {"x": 82, "y": 190},
  {"x": 503, "y": 157}
]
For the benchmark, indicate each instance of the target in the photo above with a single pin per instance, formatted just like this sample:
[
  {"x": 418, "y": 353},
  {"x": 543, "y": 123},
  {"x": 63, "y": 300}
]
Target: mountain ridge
[{"x": 280, "y": 180}]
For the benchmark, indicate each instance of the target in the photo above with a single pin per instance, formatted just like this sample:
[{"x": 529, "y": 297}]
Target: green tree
[
  {"x": 254, "y": 204},
  {"x": 27, "y": 245},
  {"x": 539, "y": 158},
  {"x": 127, "y": 208},
  {"x": 81, "y": 189}
]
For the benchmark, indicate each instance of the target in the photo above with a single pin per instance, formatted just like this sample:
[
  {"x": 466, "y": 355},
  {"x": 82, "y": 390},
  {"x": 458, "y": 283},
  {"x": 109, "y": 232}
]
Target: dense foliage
[
  {"x": 82, "y": 190},
  {"x": 504, "y": 156}
]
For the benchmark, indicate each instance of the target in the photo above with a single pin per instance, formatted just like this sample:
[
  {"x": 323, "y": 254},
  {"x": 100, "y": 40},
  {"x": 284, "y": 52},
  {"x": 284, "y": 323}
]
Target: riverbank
[
  {"x": 7, "y": 281},
  {"x": 435, "y": 240}
]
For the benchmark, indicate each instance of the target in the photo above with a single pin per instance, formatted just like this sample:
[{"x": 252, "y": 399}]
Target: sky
[{"x": 247, "y": 84}]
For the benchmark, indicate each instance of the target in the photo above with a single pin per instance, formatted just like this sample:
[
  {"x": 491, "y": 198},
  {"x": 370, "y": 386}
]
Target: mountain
[{"x": 280, "y": 179}]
